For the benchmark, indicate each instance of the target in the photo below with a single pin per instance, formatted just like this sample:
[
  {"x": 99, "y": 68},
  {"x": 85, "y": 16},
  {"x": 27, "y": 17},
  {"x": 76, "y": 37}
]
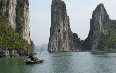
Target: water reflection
[
  {"x": 60, "y": 63},
  {"x": 99, "y": 53}
]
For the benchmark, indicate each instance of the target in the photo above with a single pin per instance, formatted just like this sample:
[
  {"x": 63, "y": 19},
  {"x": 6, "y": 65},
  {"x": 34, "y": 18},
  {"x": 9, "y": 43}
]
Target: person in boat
[{"x": 31, "y": 58}]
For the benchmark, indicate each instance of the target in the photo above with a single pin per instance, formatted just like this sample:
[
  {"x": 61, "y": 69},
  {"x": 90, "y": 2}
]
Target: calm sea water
[{"x": 74, "y": 62}]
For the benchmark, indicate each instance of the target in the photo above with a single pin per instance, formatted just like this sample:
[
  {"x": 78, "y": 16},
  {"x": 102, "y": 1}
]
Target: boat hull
[{"x": 35, "y": 62}]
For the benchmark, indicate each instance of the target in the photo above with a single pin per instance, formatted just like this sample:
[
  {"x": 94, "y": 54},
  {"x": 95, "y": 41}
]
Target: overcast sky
[{"x": 79, "y": 12}]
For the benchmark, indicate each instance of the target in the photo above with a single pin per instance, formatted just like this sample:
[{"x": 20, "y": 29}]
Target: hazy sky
[{"x": 79, "y": 12}]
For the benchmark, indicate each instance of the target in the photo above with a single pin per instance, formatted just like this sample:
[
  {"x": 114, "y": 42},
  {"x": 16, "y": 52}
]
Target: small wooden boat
[{"x": 34, "y": 62}]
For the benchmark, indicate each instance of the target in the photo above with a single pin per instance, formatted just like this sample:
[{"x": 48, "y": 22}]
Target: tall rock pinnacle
[
  {"x": 98, "y": 26},
  {"x": 61, "y": 36}
]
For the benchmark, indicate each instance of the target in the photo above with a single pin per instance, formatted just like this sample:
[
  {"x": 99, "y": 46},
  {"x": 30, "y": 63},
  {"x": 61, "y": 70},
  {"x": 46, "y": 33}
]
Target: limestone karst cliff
[
  {"x": 11, "y": 13},
  {"x": 61, "y": 36},
  {"x": 15, "y": 13},
  {"x": 22, "y": 19},
  {"x": 14, "y": 28},
  {"x": 102, "y": 34},
  {"x": 100, "y": 26}
]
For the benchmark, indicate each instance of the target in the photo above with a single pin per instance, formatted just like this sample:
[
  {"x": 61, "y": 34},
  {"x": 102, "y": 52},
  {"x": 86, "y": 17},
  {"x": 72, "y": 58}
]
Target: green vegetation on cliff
[
  {"x": 10, "y": 39},
  {"x": 77, "y": 42},
  {"x": 109, "y": 40}
]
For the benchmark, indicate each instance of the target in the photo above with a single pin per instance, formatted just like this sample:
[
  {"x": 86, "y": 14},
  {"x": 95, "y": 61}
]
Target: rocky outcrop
[
  {"x": 11, "y": 13},
  {"x": 102, "y": 34},
  {"x": 61, "y": 36},
  {"x": 8, "y": 12},
  {"x": 22, "y": 19},
  {"x": 3, "y": 6},
  {"x": 15, "y": 13},
  {"x": 98, "y": 27}
]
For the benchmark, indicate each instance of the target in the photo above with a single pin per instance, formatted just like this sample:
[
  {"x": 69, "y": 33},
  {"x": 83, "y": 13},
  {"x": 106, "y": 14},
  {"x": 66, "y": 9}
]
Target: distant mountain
[{"x": 41, "y": 48}]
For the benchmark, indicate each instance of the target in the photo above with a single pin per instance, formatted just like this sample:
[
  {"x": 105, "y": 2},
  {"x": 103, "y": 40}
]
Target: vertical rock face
[
  {"x": 3, "y": 4},
  {"x": 61, "y": 36},
  {"x": 98, "y": 26},
  {"x": 22, "y": 19},
  {"x": 11, "y": 13},
  {"x": 26, "y": 31},
  {"x": 16, "y": 14},
  {"x": 8, "y": 12}
]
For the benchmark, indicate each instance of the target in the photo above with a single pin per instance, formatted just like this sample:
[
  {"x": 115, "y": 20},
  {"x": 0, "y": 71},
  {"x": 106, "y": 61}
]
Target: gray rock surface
[
  {"x": 61, "y": 36},
  {"x": 15, "y": 13},
  {"x": 22, "y": 19},
  {"x": 11, "y": 13},
  {"x": 98, "y": 26}
]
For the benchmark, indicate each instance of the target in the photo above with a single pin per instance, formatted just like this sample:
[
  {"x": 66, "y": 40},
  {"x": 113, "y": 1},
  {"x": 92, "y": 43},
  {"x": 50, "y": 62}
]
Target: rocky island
[
  {"x": 102, "y": 34},
  {"x": 61, "y": 36}
]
